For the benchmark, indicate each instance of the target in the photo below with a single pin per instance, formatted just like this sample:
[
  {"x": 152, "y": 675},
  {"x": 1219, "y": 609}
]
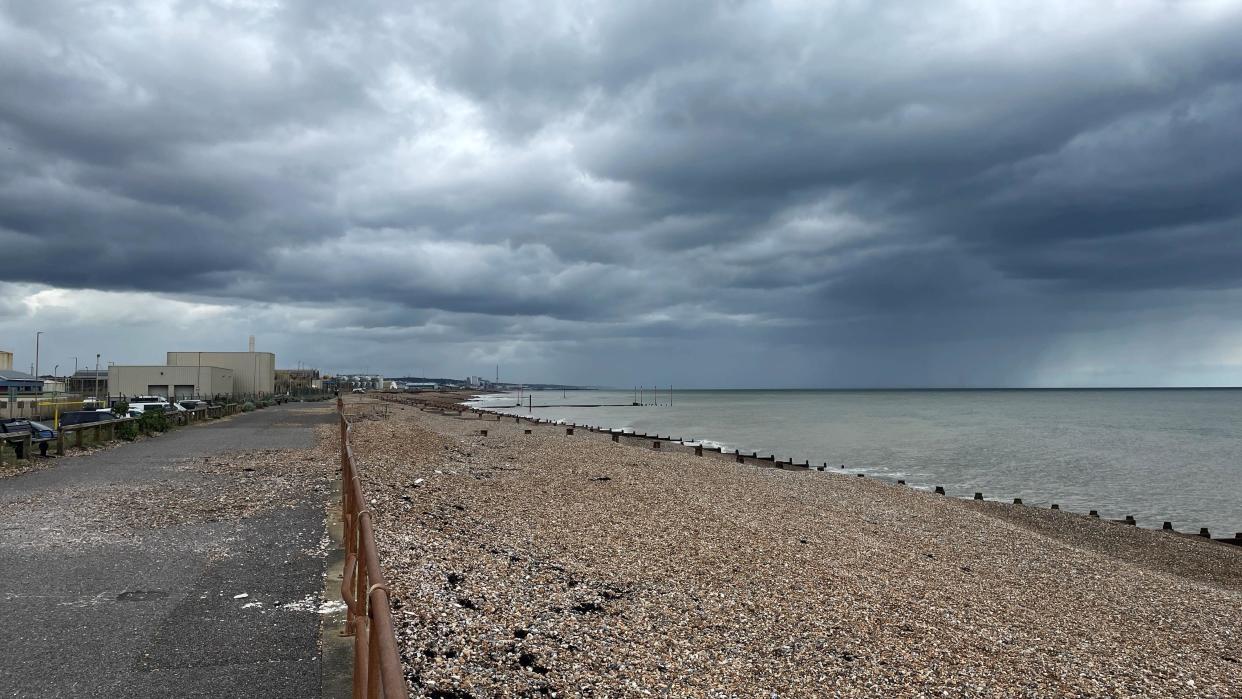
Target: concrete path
[{"x": 155, "y": 614}]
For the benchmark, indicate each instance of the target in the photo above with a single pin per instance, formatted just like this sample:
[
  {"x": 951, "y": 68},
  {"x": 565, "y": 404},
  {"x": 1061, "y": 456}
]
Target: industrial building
[
  {"x": 371, "y": 382},
  {"x": 19, "y": 383},
  {"x": 254, "y": 373},
  {"x": 177, "y": 382},
  {"x": 6, "y": 360},
  {"x": 89, "y": 382},
  {"x": 296, "y": 381}
]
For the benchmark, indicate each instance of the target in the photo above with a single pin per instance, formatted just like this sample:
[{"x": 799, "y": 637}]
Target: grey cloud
[{"x": 598, "y": 184}]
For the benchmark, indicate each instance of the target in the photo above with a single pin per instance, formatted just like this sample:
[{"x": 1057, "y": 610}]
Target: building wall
[
  {"x": 6, "y": 360},
  {"x": 204, "y": 381},
  {"x": 253, "y": 372}
]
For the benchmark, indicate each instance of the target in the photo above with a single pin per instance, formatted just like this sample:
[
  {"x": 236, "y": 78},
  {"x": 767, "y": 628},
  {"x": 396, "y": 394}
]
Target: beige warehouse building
[
  {"x": 176, "y": 382},
  {"x": 6, "y": 360},
  {"x": 254, "y": 373}
]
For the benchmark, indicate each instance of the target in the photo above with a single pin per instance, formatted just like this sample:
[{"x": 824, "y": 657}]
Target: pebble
[{"x": 540, "y": 564}]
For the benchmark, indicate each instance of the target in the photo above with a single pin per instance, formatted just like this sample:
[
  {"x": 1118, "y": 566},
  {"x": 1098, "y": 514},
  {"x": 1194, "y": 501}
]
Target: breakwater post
[
  {"x": 569, "y": 430},
  {"x": 939, "y": 490}
]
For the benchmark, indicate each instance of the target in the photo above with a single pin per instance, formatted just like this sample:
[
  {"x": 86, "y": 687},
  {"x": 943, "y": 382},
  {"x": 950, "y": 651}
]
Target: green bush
[
  {"x": 127, "y": 431},
  {"x": 121, "y": 408},
  {"x": 247, "y": 407},
  {"x": 153, "y": 421}
]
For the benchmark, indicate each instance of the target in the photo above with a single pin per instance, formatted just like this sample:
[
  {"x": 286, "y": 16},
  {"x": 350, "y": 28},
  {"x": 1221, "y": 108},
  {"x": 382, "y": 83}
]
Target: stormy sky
[{"x": 748, "y": 194}]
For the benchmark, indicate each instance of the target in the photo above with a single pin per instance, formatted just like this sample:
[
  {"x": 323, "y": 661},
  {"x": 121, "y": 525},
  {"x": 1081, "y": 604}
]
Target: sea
[{"x": 1157, "y": 454}]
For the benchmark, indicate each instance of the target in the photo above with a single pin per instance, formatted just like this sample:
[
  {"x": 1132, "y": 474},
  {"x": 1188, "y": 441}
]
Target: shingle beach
[{"x": 546, "y": 564}]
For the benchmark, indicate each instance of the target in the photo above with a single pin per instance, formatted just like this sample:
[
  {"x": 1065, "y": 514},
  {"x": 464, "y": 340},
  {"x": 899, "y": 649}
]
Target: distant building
[
  {"x": 53, "y": 385},
  {"x": 6, "y": 360},
  {"x": 296, "y": 381},
  {"x": 176, "y": 382},
  {"x": 371, "y": 382},
  {"x": 88, "y": 382},
  {"x": 254, "y": 373},
  {"x": 19, "y": 383}
]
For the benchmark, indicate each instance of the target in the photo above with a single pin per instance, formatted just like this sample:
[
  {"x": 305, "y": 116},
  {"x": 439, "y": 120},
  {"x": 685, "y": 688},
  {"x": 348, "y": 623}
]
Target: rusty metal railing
[{"x": 377, "y": 664}]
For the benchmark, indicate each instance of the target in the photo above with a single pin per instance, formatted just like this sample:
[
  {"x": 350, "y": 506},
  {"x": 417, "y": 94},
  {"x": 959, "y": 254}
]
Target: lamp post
[{"x": 97, "y": 378}]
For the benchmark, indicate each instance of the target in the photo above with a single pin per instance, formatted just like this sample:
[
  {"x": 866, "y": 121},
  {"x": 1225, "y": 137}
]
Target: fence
[{"x": 377, "y": 665}]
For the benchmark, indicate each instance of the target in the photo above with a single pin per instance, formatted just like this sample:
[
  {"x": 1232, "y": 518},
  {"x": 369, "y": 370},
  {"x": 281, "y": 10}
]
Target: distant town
[{"x": 205, "y": 375}]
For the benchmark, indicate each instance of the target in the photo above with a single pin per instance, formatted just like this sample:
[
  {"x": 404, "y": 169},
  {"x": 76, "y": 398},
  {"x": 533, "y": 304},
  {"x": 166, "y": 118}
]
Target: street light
[{"x": 97, "y": 379}]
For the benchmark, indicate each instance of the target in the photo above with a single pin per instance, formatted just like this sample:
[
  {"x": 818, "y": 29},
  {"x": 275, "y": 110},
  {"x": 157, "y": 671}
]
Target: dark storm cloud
[{"x": 858, "y": 192}]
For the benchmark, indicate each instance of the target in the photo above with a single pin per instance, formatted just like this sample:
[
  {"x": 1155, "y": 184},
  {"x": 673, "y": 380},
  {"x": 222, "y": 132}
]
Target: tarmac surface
[{"x": 158, "y": 614}]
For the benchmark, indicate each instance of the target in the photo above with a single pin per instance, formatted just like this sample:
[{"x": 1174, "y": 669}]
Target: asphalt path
[{"x": 160, "y": 617}]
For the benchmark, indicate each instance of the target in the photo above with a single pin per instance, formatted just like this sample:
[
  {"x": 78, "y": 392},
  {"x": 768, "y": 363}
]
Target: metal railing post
[{"x": 377, "y": 664}]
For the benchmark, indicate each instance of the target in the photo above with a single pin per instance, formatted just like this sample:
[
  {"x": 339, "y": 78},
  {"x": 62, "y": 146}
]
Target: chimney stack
[{"x": 252, "y": 343}]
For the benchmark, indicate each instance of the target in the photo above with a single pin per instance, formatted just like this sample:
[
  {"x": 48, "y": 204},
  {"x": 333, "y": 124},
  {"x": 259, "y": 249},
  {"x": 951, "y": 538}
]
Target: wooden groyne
[{"x": 657, "y": 442}]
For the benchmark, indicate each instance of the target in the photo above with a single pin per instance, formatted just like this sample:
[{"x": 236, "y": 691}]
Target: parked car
[
  {"x": 82, "y": 417},
  {"x": 37, "y": 430},
  {"x": 142, "y": 403},
  {"x": 192, "y": 403},
  {"x": 131, "y": 412},
  {"x": 360, "y": 390}
]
